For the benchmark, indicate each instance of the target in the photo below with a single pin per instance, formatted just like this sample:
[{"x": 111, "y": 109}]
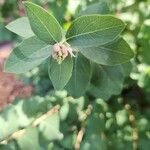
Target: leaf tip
[
  {"x": 6, "y": 68},
  {"x": 7, "y": 26}
]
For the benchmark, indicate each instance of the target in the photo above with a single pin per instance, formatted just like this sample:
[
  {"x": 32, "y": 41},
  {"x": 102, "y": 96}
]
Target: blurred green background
[{"x": 35, "y": 117}]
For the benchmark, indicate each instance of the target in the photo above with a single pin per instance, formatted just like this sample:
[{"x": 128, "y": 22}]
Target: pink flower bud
[
  {"x": 61, "y": 51},
  {"x": 56, "y": 47},
  {"x": 64, "y": 50},
  {"x": 54, "y": 55}
]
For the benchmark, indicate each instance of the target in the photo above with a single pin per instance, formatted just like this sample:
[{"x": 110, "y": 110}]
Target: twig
[
  {"x": 81, "y": 132},
  {"x": 135, "y": 136},
  {"x": 35, "y": 123},
  {"x": 79, "y": 139},
  {"x": 54, "y": 110}
]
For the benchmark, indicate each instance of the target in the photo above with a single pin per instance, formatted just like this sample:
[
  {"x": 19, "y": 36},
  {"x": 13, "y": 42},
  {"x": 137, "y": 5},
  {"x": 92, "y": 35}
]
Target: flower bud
[
  {"x": 56, "y": 47},
  {"x": 61, "y": 51},
  {"x": 54, "y": 55},
  {"x": 64, "y": 50}
]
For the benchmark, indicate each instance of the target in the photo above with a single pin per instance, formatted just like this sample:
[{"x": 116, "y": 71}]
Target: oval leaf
[
  {"x": 60, "y": 73},
  {"x": 94, "y": 30},
  {"x": 24, "y": 141},
  {"x": 112, "y": 54},
  {"x": 21, "y": 27},
  {"x": 108, "y": 80},
  {"x": 50, "y": 128},
  {"x": 29, "y": 54},
  {"x": 7, "y": 117},
  {"x": 81, "y": 75},
  {"x": 44, "y": 25}
]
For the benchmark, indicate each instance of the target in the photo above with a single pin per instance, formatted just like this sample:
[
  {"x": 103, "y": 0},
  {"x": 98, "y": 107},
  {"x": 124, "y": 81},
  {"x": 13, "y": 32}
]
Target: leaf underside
[
  {"x": 21, "y": 27},
  {"x": 29, "y": 54}
]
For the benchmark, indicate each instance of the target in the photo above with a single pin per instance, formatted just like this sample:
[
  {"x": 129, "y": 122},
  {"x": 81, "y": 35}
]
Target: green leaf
[
  {"x": 96, "y": 8},
  {"x": 4, "y": 34},
  {"x": 33, "y": 106},
  {"x": 144, "y": 143},
  {"x": 60, "y": 73},
  {"x": 121, "y": 117},
  {"x": 68, "y": 141},
  {"x": 8, "y": 122},
  {"x": 144, "y": 50},
  {"x": 110, "y": 54},
  {"x": 50, "y": 128},
  {"x": 29, "y": 139},
  {"x": 94, "y": 30},
  {"x": 29, "y": 54},
  {"x": 107, "y": 81},
  {"x": 95, "y": 142},
  {"x": 80, "y": 77},
  {"x": 10, "y": 146},
  {"x": 44, "y": 25},
  {"x": 21, "y": 27},
  {"x": 59, "y": 9},
  {"x": 64, "y": 110},
  {"x": 126, "y": 68}
]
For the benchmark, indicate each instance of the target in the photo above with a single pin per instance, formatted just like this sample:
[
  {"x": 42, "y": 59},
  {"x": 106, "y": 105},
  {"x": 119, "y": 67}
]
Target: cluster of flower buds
[{"x": 61, "y": 51}]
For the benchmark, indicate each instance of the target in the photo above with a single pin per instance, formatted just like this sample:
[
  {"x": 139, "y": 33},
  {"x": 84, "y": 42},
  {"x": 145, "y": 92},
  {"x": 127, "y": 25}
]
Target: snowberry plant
[{"x": 78, "y": 57}]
